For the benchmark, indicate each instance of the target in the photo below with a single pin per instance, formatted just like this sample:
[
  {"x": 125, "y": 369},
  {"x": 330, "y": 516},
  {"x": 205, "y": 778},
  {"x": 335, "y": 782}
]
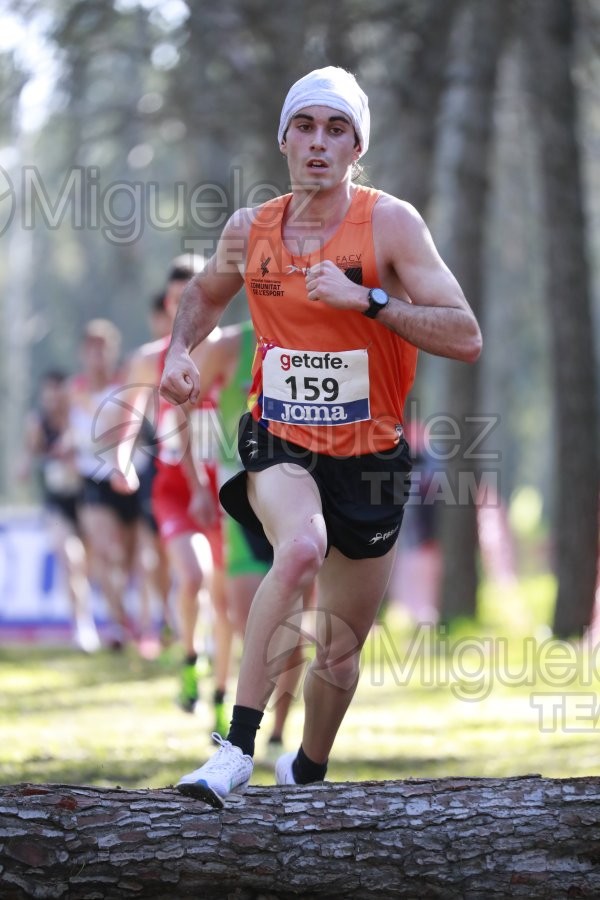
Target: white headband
[{"x": 333, "y": 87}]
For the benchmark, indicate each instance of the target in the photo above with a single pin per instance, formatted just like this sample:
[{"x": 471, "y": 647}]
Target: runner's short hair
[
  {"x": 157, "y": 304},
  {"x": 185, "y": 267},
  {"x": 54, "y": 377},
  {"x": 102, "y": 329}
]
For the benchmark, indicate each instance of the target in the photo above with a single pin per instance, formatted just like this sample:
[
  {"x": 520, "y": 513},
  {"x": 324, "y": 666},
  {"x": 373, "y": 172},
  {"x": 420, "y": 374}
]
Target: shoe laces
[{"x": 222, "y": 759}]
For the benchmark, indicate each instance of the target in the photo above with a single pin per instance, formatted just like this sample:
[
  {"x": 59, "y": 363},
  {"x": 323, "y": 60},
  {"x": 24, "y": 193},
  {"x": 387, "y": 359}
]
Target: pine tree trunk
[
  {"x": 450, "y": 838},
  {"x": 417, "y": 80},
  {"x": 549, "y": 27},
  {"x": 462, "y": 193}
]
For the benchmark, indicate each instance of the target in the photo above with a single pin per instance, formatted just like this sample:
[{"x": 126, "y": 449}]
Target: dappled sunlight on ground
[{"x": 473, "y": 708}]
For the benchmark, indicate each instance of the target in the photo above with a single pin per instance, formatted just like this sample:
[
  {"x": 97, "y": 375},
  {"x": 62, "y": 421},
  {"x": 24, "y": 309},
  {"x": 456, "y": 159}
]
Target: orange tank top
[{"x": 327, "y": 379}]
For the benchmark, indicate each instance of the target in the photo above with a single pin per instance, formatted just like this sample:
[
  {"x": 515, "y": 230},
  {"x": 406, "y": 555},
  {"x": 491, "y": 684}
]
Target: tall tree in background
[
  {"x": 548, "y": 28},
  {"x": 196, "y": 91},
  {"x": 417, "y": 81},
  {"x": 462, "y": 182}
]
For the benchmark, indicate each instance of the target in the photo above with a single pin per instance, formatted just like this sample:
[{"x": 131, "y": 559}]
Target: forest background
[{"x": 130, "y": 129}]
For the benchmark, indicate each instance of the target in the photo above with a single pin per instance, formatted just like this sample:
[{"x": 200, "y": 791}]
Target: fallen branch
[{"x": 453, "y": 837}]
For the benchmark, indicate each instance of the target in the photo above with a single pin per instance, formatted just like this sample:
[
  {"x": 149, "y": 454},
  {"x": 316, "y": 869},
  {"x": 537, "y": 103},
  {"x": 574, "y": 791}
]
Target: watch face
[{"x": 379, "y": 296}]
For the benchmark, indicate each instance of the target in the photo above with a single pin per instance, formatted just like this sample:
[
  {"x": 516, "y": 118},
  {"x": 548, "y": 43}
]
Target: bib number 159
[
  {"x": 311, "y": 388},
  {"x": 315, "y": 387}
]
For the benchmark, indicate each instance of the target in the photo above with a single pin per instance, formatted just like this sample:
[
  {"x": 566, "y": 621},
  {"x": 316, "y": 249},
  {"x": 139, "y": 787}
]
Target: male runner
[
  {"x": 184, "y": 503},
  {"x": 344, "y": 284},
  {"x": 108, "y": 519}
]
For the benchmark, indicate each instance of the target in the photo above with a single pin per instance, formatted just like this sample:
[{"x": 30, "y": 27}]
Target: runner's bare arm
[
  {"x": 427, "y": 306},
  {"x": 33, "y": 446},
  {"x": 202, "y": 505},
  {"x": 216, "y": 358},
  {"x": 432, "y": 311},
  {"x": 137, "y": 398},
  {"x": 200, "y": 309}
]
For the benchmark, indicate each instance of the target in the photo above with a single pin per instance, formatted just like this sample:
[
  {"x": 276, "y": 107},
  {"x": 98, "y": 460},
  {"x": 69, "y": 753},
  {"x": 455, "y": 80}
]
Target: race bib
[{"x": 313, "y": 387}]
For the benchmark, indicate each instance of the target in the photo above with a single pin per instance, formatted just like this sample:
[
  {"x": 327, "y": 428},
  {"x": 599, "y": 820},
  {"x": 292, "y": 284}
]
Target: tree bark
[
  {"x": 462, "y": 184},
  {"x": 451, "y": 838},
  {"x": 417, "y": 76},
  {"x": 549, "y": 30}
]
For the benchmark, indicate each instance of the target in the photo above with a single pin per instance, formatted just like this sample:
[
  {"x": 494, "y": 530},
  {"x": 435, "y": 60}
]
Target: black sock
[
  {"x": 218, "y": 696},
  {"x": 305, "y": 770},
  {"x": 191, "y": 659},
  {"x": 245, "y": 722}
]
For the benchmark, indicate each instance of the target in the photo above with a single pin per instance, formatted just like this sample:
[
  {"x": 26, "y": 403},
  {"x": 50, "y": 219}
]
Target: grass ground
[{"x": 485, "y": 701}]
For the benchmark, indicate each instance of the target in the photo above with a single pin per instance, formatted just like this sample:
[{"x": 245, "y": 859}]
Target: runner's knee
[
  {"x": 297, "y": 561},
  {"x": 337, "y": 666},
  {"x": 189, "y": 579}
]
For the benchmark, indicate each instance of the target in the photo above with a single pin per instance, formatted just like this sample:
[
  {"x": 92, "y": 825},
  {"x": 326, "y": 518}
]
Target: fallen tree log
[{"x": 453, "y": 837}]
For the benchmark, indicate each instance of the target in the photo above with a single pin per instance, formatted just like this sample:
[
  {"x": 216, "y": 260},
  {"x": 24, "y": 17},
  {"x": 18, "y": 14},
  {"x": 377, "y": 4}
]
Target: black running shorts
[
  {"x": 100, "y": 493},
  {"x": 363, "y": 497}
]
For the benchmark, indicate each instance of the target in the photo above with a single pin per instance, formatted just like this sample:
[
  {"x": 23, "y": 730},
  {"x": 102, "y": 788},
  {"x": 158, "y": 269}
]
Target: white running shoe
[
  {"x": 283, "y": 768},
  {"x": 85, "y": 635},
  {"x": 227, "y": 772}
]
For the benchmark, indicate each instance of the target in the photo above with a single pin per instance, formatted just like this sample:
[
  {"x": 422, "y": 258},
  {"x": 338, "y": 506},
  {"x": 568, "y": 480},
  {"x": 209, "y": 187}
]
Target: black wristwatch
[{"x": 378, "y": 299}]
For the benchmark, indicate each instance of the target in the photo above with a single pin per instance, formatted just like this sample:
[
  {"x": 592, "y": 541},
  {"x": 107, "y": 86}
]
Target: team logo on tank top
[
  {"x": 351, "y": 265},
  {"x": 264, "y": 270}
]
